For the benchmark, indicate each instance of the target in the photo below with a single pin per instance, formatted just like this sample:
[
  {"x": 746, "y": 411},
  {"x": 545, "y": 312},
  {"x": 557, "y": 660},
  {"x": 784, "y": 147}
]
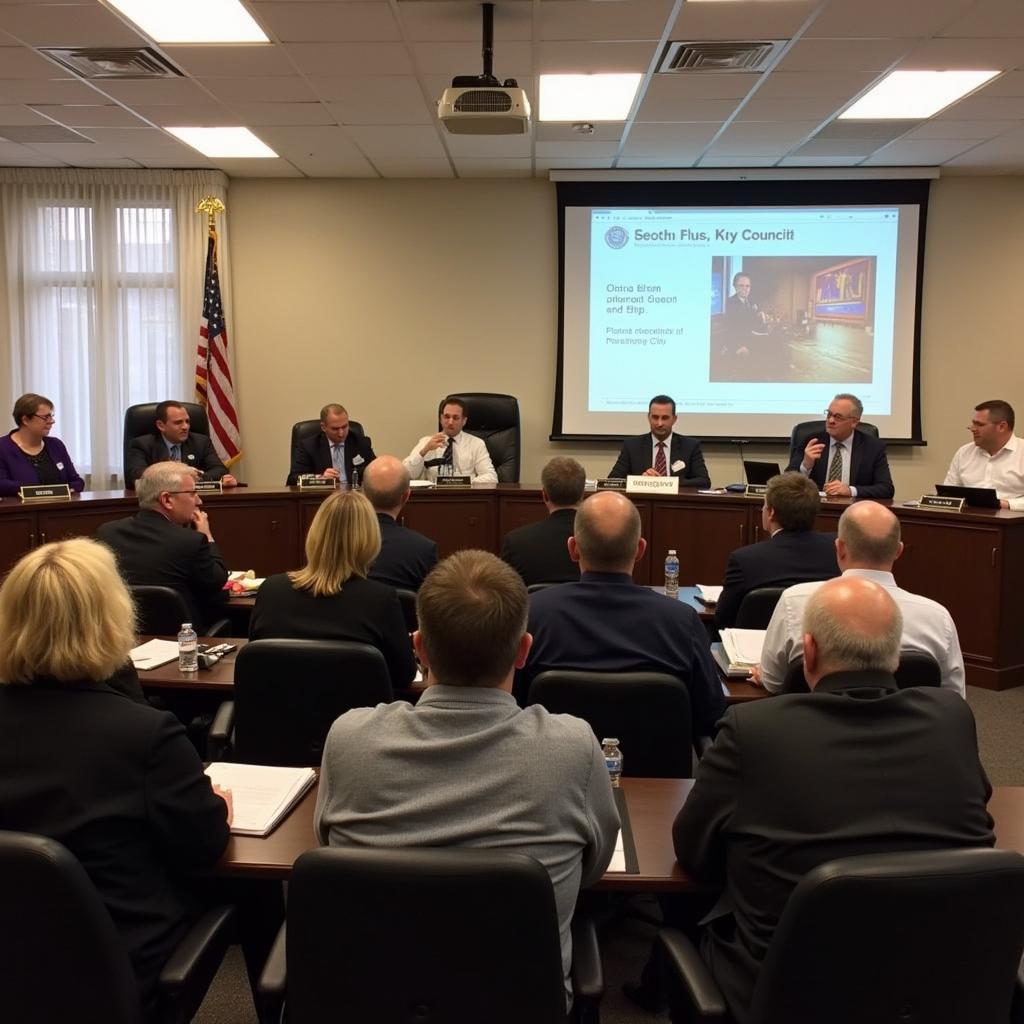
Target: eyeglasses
[
  {"x": 49, "y": 418},
  {"x": 837, "y": 416},
  {"x": 193, "y": 491}
]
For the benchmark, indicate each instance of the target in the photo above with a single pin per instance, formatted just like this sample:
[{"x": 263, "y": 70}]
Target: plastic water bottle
[
  {"x": 612, "y": 760},
  {"x": 672, "y": 574},
  {"x": 188, "y": 648}
]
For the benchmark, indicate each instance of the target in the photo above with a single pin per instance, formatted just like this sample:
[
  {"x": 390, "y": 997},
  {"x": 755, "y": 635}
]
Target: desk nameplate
[
  {"x": 39, "y": 492},
  {"x": 614, "y": 483},
  {"x": 462, "y": 480},
  {"x": 312, "y": 482},
  {"x": 941, "y": 503},
  {"x": 209, "y": 487},
  {"x": 640, "y": 484},
  {"x": 755, "y": 490}
]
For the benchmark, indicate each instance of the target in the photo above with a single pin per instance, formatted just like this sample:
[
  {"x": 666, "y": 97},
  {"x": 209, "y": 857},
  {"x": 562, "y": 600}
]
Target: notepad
[
  {"x": 261, "y": 795},
  {"x": 153, "y": 654}
]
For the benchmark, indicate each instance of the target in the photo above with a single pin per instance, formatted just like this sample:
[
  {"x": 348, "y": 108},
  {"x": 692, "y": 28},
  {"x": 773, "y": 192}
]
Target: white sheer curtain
[{"x": 104, "y": 294}]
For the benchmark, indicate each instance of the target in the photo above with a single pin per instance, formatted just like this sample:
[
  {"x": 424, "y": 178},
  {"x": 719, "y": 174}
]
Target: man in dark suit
[
  {"x": 539, "y": 552},
  {"x": 608, "y": 623},
  {"x": 337, "y": 452},
  {"x": 793, "y": 553},
  {"x": 845, "y": 462},
  {"x": 405, "y": 556},
  {"x": 661, "y": 452},
  {"x": 157, "y": 547},
  {"x": 794, "y": 781},
  {"x": 174, "y": 442}
]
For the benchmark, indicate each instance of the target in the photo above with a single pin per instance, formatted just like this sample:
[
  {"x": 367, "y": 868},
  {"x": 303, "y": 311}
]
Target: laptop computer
[
  {"x": 760, "y": 472},
  {"x": 975, "y": 497}
]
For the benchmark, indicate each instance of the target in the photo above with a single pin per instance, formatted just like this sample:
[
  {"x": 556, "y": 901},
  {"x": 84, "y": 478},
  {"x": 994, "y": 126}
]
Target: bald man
[
  {"x": 608, "y": 623},
  {"x": 405, "y": 556},
  {"x": 856, "y": 766},
  {"x": 867, "y": 546}
]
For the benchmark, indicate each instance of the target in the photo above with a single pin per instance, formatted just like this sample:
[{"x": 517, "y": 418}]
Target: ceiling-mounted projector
[{"x": 480, "y": 104}]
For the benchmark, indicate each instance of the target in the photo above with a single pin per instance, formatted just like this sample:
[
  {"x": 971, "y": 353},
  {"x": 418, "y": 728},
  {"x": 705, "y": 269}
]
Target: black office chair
[
  {"x": 162, "y": 610},
  {"x": 495, "y": 419},
  {"x": 803, "y": 432},
  {"x": 474, "y": 935},
  {"x": 287, "y": 695},
  {"x": 141, "y": 419},
  {"x": 755, "y": 610},
  {"x": 309, "y": 428},
  {"x": 648, "y": 712},
  {"x": 407, "y": 599},
  {"x": 63, "y": 959},
  {"x": 891, "y": 938},
  {"x": 915, "y": 669},
  {"x": 535, "y": 588}
]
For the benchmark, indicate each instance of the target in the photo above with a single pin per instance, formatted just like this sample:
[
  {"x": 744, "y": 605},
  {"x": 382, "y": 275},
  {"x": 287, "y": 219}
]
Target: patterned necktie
[
  {"x": 835, "y": 467},
  {"x": 338, "y": 459},
  {"x": 175, "y": 453},
  {"x": 660, "y": 466}
]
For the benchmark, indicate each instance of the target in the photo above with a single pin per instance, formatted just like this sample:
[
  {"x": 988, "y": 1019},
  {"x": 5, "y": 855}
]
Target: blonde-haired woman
[
  {"x": 114, "y": 780},
  {"x": 330, "y": 598}
]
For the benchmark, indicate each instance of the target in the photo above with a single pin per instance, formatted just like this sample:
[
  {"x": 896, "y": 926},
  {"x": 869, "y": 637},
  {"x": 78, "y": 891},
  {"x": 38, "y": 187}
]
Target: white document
[
  {"x": 154, "y": 653},
  {"x": 618, "y": 861},
  {"x": 261, "y": 795},
  {"x": 709, "y": 594},
  {"x": 421, "y": 483},
  {"x": 743, "y": 646}
]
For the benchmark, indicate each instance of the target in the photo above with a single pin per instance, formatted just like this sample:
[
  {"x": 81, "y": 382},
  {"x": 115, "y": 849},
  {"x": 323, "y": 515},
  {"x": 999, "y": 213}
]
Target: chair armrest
[
  {"x": 218, "y": 741},
  {"x": 587, "y": 971},
  {"x": 222, "y": 627},
  {"x": 685, "y": 968},
  {"x": 701, "y": 744},
  {"x": 187, "y": 974},
  {"x": 273, "y": 983}
]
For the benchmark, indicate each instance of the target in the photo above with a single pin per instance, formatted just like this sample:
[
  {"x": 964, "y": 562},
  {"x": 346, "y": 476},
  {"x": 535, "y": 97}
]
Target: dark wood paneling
[{"x": 702, "y": 535}]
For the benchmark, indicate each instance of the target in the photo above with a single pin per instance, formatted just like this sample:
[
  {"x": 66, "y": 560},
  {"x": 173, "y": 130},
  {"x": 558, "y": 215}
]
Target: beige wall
[{"x": 384, "y": 295}]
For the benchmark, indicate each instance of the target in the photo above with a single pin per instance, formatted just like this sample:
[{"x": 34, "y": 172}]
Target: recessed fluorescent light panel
[
  {"x": 223, "y": 142},
  {"x": 587, "y": 97},
  {"x": 913, "y": 94},
  {"x": 192, "y": 21}
]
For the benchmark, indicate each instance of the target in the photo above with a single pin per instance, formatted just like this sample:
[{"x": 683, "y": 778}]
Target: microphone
[{"x": 740, "y": 486}]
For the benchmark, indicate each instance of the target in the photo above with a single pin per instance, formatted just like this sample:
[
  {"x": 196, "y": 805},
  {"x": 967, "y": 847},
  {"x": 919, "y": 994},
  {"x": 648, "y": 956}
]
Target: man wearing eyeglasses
[
  {"x": 845, "y": 462},
  {"x": 169, "y": 542}
]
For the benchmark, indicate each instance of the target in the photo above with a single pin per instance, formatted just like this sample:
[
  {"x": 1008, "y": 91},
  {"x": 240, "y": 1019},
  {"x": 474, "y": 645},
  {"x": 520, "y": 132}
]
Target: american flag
[{"x": 213, "y": 372}]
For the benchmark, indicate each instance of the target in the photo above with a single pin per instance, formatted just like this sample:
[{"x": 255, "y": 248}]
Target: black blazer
[
  {"x": 791, "y": 556},
  {"x": 365, "y": 611},
  {"x": 119, "y": 784},
  {"x": 153, "y": 551},
  {"x": 405, "y": 556},
  {"x": 313, "y": 455},
  {"x": 538, "y": 551},
  {"x": 635, "y": 457},
  {"x": 856, "y": 767},
  {"x": 869, "y": 467},
  {"x": 196, "y": 451}
]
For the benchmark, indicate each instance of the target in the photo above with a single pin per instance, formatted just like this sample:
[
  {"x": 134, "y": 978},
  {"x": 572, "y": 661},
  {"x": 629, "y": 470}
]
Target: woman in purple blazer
[{"x": 28, "y": 455}]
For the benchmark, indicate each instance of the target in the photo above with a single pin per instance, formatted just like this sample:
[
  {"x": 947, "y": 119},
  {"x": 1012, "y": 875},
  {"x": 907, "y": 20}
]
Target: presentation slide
[{"x": 750, "y": 317}]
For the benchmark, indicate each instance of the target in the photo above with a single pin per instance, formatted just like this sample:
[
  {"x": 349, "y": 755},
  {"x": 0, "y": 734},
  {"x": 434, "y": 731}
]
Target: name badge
[
  {"x": 209, "y": 486},
  {"x": 755, "y": 490},
  {"x": 612, "y": 483},
  {"x": 652, "y": 484},
  {"x": 313, "y": 482},
  {"x": 34, "y": 492},
  {"x": 942, "y": 503},
  {"x": 454, "y": 481}
]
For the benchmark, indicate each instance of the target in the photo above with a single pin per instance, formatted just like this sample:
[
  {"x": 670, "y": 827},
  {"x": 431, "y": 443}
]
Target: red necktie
[{"x": 660, "y": 466}]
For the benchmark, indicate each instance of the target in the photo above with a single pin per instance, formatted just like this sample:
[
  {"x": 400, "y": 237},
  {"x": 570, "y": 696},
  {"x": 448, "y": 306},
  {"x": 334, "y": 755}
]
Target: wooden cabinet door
[
  {"x": 455, "y": 522},
  {"x": 255, "y": 533},
  {"x": 17, "y": 535},
  {"x": 703, "y": 535}
]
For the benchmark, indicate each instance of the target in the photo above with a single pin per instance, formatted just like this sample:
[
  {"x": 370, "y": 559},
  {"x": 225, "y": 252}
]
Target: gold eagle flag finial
[{"x": 211, "y": 206}]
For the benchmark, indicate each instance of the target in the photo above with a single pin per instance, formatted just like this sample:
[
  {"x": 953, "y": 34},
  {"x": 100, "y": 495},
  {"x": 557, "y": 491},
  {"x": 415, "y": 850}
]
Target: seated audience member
[
  {"x": 995, "y": 458},
  {"x": 116, "y": 781},
  {"x": 792, "y": 553},
  {"x": 868, "y": 545},
  {"x": 451, "y": 451},
  {"x": 607, "y": 623},
  {"x": 465, "y": 766},
  {"x": 842, "y": 461},
  {"x": 169, "y": 542},
  {"x": 539, "y": 552},
  {"x": 173, "y": 441},
  {"x": 662, "y": 452},
  {"x": 857, "y": 766},
  {"x": 330, "y": 598},
  {"x": 337, "y": 452},
  {"x": 405, "y": 556},
  {"x": 29, "y": 456}
]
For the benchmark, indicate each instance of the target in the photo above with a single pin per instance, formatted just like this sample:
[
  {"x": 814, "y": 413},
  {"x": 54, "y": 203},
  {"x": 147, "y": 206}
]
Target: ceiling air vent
[
  {"x": 126, "y": 62},
  {"x": 718, "y": 55}
]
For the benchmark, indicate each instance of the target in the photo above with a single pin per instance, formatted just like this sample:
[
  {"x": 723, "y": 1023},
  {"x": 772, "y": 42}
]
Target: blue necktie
[
  {"x": 175, "y": 453},
  {"x": 338, "y": 459}
]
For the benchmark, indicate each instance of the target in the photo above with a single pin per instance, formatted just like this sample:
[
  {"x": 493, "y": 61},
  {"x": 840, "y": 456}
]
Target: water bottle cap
[
  {"x": 609, "y": 740},
  {"x": 186, "y": 625},
  {"x": 671, "y": 551}
]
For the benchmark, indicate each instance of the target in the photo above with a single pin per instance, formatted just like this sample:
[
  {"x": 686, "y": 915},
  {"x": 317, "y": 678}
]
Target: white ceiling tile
[
  {"x": 945, "y": 54},
  {"x": 350, "y": 58},
  {"x": 455, "y": 22},
  {"x": 241, "y": 60},
  {"x": 257, "y": 168},
  {"x": 275, "y": 89},
  {"x": 848, "y": 149},
  {"x": 910, "y": 19},
  {"x": 13, "y": 155},
  {"x": 82, "y": 154},
  {"x": 17, "y": 113},
  {"x": 1005, "y": 151},
  {"x": 396, "y": 100},
  {"x": 819, "y": 161},
  {"x": 189, "y": 161},
  {"x": 844, "y": 54},
  {"x": 570, "y": 163},
  {"x": 680, "y": 162},
  {"x": 760, "y": 138},
  {"x": 80, "y": 115},
  {"x": 468, "y": 167},
  {"x": 1011, "y": 83},
  {"x": 711, "y": 161},
  {"x": 296, "y": 21},
  {"x": 815, "y": 108},
  {"x": 924, "y": 152},
  {"x": 21, "y": 62},
  {"x": 840, "y": 85},
  {"x": 662, "y": 105},
  {"x": 980, "y": 106},
  {"x": 989, "y": 18},
  {"x": 129, "y": 141},
  {"x": 413, "y": 167},
  {"x": 553, "y": 131},
  {"x": 777, "y": 20},
  {"x": 329, "y": 167},
  {"x": 67, "y": 25},
  {"x": 450, "y": 59},
  {"x": 316, "y": 144},
  {"x": 579, "y": 148},
  {"x": 398, "y": 142},
  {"x": 703, "y": 86},
  {"x": 949, "y": 129},
  {"x": 194, "y": 115},
  {"x": 154, "y": 93},
  {"x": 41, "y": 91},
  {"x": 668, "y": 139},
  {"x": 582, "y": 19},
  {"x": 566, "y": 57},
  {"x": 488, "y": 146},
  {"x": 253, "y": 114}
]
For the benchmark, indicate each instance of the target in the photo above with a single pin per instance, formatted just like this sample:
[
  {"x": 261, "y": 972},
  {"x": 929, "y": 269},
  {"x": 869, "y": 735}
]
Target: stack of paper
[
  {"x": 154, "y": 653},
  {"x": 739, "y": 651},
  {"x": 247, "y": 579},
  {"x": 707, "y": 594},
  {"x": 261, "y": 795}
]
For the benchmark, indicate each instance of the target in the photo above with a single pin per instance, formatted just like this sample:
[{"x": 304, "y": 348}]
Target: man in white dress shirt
[
  {"x": 450, "y": 452},
  {"x": 867, "y": 546},
  {"x": 995, "y": 458}
]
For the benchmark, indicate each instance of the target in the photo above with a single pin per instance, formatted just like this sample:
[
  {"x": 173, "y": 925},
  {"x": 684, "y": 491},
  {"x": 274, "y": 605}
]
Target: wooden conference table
[
  {"x": 970, "y": 562},
  {"x": 652, "y": 805}
]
